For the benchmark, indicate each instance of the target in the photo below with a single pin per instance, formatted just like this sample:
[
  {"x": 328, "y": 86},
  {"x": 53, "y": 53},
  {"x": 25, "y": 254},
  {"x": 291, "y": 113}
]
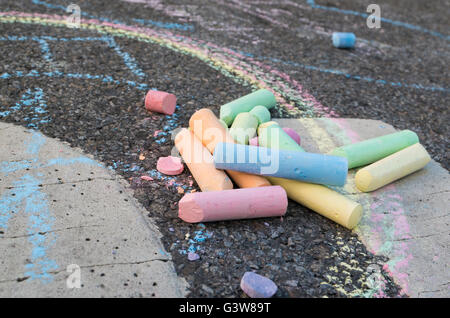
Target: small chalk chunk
[
  {"x": 261, "y": 113},
  {"x": 193, "y": 256},
  {"x": 257, "y": 286},
  {"x": 248, "y": 203},
  {"x": 371, "y": 150},
  {"x": 171, "y": 166},
  {"x": 392, "y": 168},
  {"x": 262, "y": 97},
  {"x": 344, "y": 40},
  {"x": 254, "y": 142},
  {"x": 160, "y": 102},
  {"x": 296, "y": 165},
  {"x": 293, "y": 134}
]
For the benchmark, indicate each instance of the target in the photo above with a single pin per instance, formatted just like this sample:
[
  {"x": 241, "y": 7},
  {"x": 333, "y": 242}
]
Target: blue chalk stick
[
  {"x": 344, "y": 40},
  {"x": 303, "y": 166}
]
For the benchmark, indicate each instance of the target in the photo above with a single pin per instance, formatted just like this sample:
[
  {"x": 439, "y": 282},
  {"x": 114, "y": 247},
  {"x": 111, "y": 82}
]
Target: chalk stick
[
  {"x": 262, "y": 97},
  {"x": 207, "y": 128},
  {"x": 318, "y": 198},
  {"x": 371, "y": 150},
  {"x": 200, "y": 163},
  {"x": 293, "y": 134},
  {"x": 160, "y": 102},
  {"x": 261, "y": 113},
  {"x": 322, "y": 200},
  {"x": 273, "y": 133},
  {"x": 344, "y": 40},
  {"x": 391, "y": 168},
  {"x": 296, "y": 165},
  {"x": 233, "y": 204},
  {"x": 243, "y": 128}
]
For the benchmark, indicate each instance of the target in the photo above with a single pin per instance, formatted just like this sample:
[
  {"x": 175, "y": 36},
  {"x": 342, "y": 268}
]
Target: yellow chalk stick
[
  {"x": 391, "y": 168},
  {"x": 201, "y": 163},
  {"x": 323, "y": 200},
  {"x": 207, "y": 128}
]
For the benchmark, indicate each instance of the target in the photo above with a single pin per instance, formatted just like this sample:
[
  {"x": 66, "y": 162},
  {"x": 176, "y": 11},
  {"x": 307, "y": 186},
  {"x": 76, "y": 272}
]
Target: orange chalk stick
[
  {"x": 207, "y": 128},
  {"x": 200, "y": 162}
]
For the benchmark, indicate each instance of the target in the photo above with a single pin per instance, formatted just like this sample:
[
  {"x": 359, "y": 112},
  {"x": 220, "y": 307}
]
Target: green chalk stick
[
  {"x": 262, "y": 97},
  {"x": 273, "y": 136},
  {"x": 244, "y": 128},
  {"x": 371, "y": 150},
  {"x": 261, "y": 113}
]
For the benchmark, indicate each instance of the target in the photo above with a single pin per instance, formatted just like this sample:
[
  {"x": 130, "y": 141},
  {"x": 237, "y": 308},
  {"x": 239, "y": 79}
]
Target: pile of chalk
[{"x": 269, "y": 165}]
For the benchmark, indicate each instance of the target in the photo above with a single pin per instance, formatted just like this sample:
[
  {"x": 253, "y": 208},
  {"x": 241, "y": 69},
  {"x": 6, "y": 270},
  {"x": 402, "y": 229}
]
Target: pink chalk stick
[
  {"x": 292, "y": 133},
  {"x": 235, "y": 204},
  {"x": 160, "y": 102},
  {"x": 170, "y": 165},
  {"x": 254, "y": 142}
]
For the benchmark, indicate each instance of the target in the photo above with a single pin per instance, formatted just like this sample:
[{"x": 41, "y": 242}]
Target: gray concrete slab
[
  {"x": 64, "y": 216},
  {"x": 407, "y": 221}
]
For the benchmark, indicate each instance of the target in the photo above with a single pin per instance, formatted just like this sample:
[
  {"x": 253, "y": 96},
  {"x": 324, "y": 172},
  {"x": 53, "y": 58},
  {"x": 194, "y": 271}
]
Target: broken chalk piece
[
  {"x": 296, "y": 165},
  {"x": 254, "y": 141},
  {"x": 193, "y": 256},
  {"x": 293, "y": 134},
  {"x": 371, "y": 150},
  {"x": 200, "y": 162},
  {"x": 235, "y": 204},
  {"x": 243, "y": 128},
  {"x": 261, "y": 113},
  {"x": 207, "y": 128},
  {"x": 160, "y": 102},
  {"x": 391, "y": 168},
  {"x": 257, "y": 286},
  {"x": 262, "y": 97},
  {"x": 171, "y": 166},
  {"x": 344, "y": 40}
]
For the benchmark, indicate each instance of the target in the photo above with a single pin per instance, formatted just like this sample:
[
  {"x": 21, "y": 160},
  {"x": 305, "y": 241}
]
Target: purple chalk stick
[
  {"x": 293, "y": 134},
  {"x": 257, "y": 286}
]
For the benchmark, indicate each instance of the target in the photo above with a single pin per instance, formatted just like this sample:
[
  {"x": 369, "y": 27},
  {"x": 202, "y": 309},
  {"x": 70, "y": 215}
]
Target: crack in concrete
[
  {"x": 21, "y": 279},
  {"x": 419, "y": 237},
  {"x": 63, "y": 182},
  {"x": 45, "y": 233}
]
